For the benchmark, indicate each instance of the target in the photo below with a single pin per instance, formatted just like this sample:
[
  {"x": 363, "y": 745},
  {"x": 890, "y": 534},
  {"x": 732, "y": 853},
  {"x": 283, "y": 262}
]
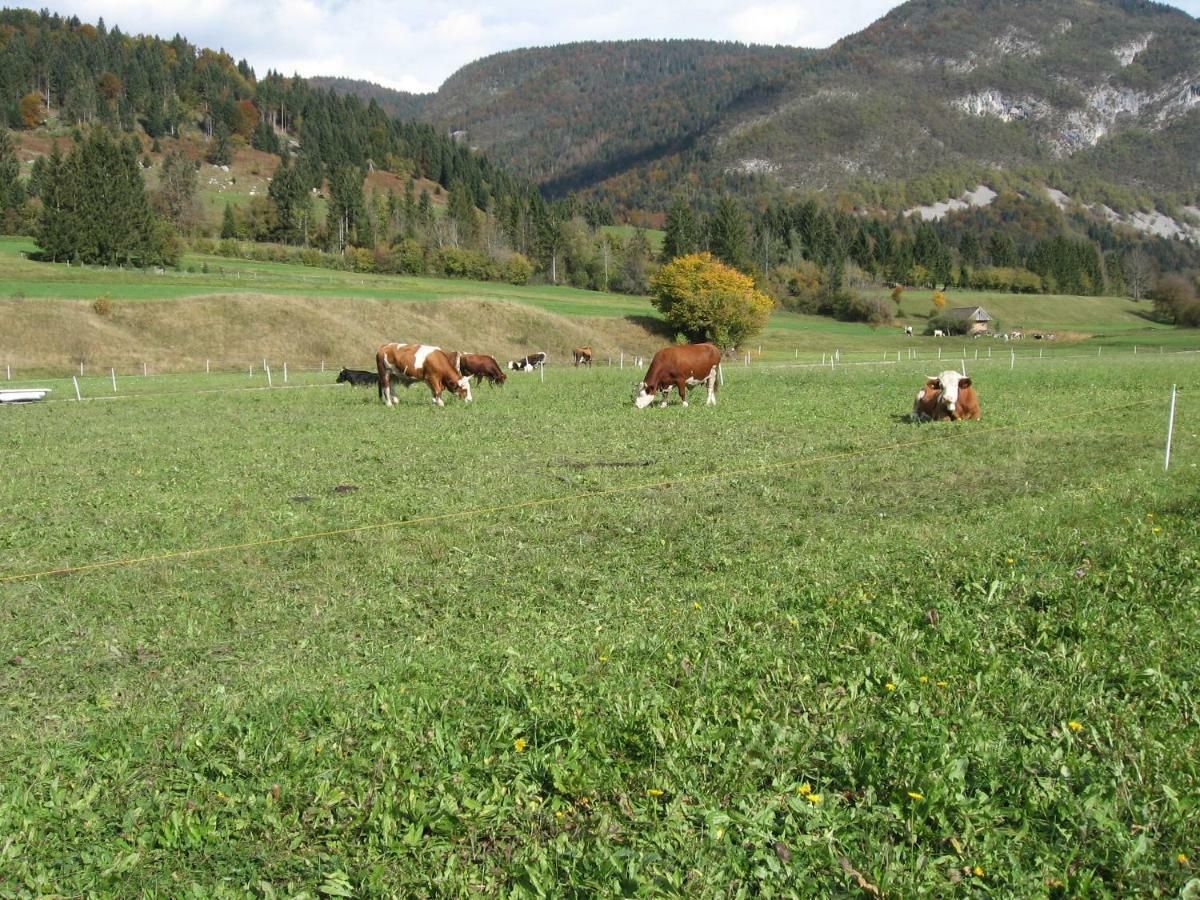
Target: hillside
[{"x": 1101, "y": 97}]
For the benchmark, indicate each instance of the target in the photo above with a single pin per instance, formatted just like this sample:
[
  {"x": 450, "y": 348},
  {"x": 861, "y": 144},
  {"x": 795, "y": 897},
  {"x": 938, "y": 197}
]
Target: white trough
[{"x": 22, "y": 395}]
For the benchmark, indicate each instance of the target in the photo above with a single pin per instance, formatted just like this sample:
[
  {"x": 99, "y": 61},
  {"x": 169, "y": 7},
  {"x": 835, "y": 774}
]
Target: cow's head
[
  {"x": 643, "y": 395},
  {"x": 463, "y": 389},
  {"x": 344, "y": 375},
  {"x": 499, "y": 378},
  {"x": 949, "y": 383}
]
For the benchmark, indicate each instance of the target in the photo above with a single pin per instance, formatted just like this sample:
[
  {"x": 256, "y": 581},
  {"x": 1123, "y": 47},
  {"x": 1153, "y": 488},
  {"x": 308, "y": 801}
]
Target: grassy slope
[{"x": 621, "y": 694}]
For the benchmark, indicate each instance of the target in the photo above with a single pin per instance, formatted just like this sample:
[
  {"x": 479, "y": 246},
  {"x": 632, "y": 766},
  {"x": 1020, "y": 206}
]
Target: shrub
[
  {"x": 708, "y": 300},
  {"x": 102, "y": 306},
  {"x": 518, "y": 270}
]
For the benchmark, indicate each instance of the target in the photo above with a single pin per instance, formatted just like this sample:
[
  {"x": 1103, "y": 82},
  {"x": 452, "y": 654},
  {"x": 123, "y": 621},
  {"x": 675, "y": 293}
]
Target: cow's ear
[{"x": 964, "y": 382}]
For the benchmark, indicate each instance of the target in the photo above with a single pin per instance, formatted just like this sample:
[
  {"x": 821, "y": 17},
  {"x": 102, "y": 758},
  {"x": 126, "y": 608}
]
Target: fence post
[
  {"x": 113, "y": 373},
  {"x": 207, "y": 369},
  {"x": 1013, "y": 363},
  {"x": 81, "y": 370},
  {"x": 622, "y": 360},
  {"x": 8, "y": 371},
  {"x": 268, "y": 371},
  {"x": 75, "y": 381},
  {"x": 285, "y": 373},
  {"x": 145, "y": 371},
  {"x": 1170, "y": 431}
]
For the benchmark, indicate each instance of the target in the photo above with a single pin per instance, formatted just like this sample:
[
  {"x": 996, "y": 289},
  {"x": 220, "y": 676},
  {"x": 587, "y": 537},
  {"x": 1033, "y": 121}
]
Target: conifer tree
[
  {"x": 729, "y": 234},
  {"x": 228, "y": 224},
  {"x": 682, "y": 231}
]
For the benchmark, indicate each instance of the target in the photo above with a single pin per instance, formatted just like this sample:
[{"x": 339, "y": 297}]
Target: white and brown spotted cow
[
  {"x": 679, "y": 368},
  {"x": 410, "y": 363},
  {"x": 949, "y": 395}
]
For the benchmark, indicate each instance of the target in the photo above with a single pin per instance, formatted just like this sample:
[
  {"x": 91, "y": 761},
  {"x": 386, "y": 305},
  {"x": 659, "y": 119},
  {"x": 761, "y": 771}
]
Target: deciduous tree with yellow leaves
[{"x": 707, "y": 300}]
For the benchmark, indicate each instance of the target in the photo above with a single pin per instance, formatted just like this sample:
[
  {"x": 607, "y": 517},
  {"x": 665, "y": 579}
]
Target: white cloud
[{"x": 417, "y": 45}]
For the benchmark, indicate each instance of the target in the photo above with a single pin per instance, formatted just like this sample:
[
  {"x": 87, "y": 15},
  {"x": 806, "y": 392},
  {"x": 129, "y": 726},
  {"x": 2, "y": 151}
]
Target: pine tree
[
  {"x": 12, "y": 191},
  {"x": 228, "y": 224},
  {"x": 729, "y": 234},
  {"x": 682, "y": 231}
]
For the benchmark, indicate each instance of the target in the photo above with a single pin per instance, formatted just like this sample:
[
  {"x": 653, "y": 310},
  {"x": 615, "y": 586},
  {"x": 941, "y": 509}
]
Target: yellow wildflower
[
  {"x": 978, "y": 870},
  {"x": 1157, "y": 529},
  {"x": 558, "y": 814},
  {"x": 720, "y": 833},
  {"x": 655, "y": 792},
  {"x": 916, "y": 796},
  {"x": 1075, "y": 726},
  {"x": 519, "y": 745},
  {"x": 814, "y": 799},
  {"x": 695, "y": 605},
  {"x": 943, "y": 684},
  {"x": 924, "y": 679},
  {"x": 890, "y": 686},
  {"x": 1182, "y": 859},
  {"x": 1010, "y": 560},
  {"x": 805, "y": 789}
]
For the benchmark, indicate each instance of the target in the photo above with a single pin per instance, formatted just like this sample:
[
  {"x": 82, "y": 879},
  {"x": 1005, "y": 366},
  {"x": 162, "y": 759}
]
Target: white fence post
[
  {"x": 207, "y": 369},
  {"x": 285, "y": 373},
  {"x": 1013, "y": 363},
  {"x": 113, "y": 373},
  {"x": 622, "y": 360},
  {"x": 1170, "y": 430},
  {"x": 75, "y": 381},
  {"x": 8, "y": 371},
  {"x": 268, "y": 371}
]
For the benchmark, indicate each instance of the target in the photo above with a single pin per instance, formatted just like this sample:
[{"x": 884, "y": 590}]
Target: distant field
[
  {"x": 654, "y": 237},
  {"x": 633, "y": 324},
  {"x": 788, "y": 645}
]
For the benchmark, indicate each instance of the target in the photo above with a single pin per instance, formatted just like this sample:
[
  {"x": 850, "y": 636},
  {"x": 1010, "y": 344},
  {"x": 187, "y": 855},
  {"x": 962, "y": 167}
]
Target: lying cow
[
  {"x": 528, "y": 363},
  {"x": 680, "y": 367},
  {"x": 357, "y": 377},
  {"x": 583, "y": 356},
  {"x": 410, "y": 363},
  {"x": 946, "y": 396},
  {"x": 481, "y": 366}
]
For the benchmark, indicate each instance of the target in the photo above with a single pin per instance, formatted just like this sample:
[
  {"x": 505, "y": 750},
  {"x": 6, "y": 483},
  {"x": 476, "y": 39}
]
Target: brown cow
[
  {"x": 410, "y": 363},
  {"x": 583, "y": 356},
  {"x": 679, "y": 367},
  {"x": 946, "y": 396},
  {"x": 481, "y": 366}
]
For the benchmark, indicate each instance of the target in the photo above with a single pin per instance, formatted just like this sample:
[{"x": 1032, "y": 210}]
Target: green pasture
[
  {"x": 790, "y": 645},
  {"x": 1113, "y": 321}
]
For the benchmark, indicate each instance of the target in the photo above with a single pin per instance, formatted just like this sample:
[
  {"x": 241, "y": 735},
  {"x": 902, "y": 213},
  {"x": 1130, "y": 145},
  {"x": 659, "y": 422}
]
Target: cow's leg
[
  {"x": 711, "y": 383},
  {"x": 386, "y": 392},
  {"x": 681, "y": 386},
  {"x": 435, "y": 386}
]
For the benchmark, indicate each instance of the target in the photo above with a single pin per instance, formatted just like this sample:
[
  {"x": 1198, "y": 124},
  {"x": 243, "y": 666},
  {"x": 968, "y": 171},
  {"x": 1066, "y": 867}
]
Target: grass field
[{"x": 790, "y": 645}]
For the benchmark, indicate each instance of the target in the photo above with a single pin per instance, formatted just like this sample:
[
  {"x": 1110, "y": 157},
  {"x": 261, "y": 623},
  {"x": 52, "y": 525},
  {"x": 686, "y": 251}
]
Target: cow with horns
[
  {"x": 950, "y": 395},
  {"x": 481, "y": 366},
  {"x": 583, "y": 356},
  {"x": 528, "y": 363},
  {"x": 410, "y": 363},
  {"x": 679, "y": 368}
]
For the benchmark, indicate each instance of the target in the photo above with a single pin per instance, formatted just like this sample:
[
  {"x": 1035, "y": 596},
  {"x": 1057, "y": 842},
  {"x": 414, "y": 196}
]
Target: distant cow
[
  {"x": 947, "y": 396},
  {"x": 937, "y": 332},
  {"x": 357, "y": 377},
  {"x": 908, "y": 330},
  {"x": 583, "y": 356},
  {"x": 410, "y": 363},
  {"x": 528, "y": 363},
  {"x": 481, "y": 366},
  {"x": 679, "y": 368}
]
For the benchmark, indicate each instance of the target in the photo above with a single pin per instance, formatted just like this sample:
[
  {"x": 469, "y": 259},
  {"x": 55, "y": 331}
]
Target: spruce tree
[
  {"x": 12, "y": 191},
  {"x": 228, "y": 224},
  {"x": 682, "y": 231},
  {"x": 729, "y": 234}
]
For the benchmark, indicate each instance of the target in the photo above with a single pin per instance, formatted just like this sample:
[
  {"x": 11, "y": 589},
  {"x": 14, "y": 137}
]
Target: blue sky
[{"x": 417, "y": 45}]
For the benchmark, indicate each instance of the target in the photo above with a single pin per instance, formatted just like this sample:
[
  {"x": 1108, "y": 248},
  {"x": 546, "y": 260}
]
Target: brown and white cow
[
  {"x": 950, "y": 395},
  {"x": 680, "y": 367},
  {"x": 409, "y": 363},
  {"x": 529, "y": 362},
  {"x": 481, "y": 366},
  {"x": 583, "y": 356}
]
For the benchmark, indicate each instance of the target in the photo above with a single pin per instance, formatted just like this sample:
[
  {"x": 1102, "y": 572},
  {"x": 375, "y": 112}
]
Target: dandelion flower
[
  {"x": 924, "y": 679},
  {"x": 890, "y": 686},
  {"x": 720, "y": 833},
  {"x": 1182, "y": 859},
  {"x": 1157, "y": 529},
  {"x": 943, "y": 684},
  {"x": 978, "y": 870},
  {"x": 1010, "y": 560},
  {"x": 814, "y": 799},
  {"x": 695, "y": 605},
  {"x": 519, "y": 745},
  {"x": 916, "y": 796},
  {"x": 1075, "y": 726},
  {"x": 805, "y": 789},
  {"x": 655, "y": 792}
]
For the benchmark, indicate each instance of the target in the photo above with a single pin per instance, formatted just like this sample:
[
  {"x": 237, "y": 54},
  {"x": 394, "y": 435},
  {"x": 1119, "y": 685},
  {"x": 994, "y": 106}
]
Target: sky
[{"x": 415, "y": 45}]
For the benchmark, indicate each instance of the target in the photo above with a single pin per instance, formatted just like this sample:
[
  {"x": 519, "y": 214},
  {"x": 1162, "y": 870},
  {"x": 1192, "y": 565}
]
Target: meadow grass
[{"x": 950, "y": 659}]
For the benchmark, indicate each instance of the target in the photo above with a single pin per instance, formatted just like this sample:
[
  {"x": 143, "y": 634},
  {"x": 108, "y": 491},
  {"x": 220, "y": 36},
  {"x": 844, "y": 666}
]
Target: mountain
[
  {"x": 1101, "y": 97},
  {"x": 572, "y": 115}
]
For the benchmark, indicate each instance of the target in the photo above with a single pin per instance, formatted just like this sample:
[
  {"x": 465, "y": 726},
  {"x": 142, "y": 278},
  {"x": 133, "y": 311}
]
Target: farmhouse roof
[{"x": 974, "y": 313}]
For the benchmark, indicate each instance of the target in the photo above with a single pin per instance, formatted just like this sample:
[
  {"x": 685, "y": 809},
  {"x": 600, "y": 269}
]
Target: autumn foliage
[
  {"x": 707, "y": 300},
  {"x": 32, "y": 111}
]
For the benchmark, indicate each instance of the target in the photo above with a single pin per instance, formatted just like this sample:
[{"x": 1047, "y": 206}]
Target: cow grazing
[
  {"x": 680, "y": 367},
  {"x": 950, "y": 395},
  {"x": 528, "y": 363},
  {"x": 583, "y": 356},
  {"x": 357, "y": 377},
  {"x": 937, "y": 332},
  {"x": 908, "y": 331},
  {"x": 481, "y": 366},
  {"x": 409, "y": 363}
]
